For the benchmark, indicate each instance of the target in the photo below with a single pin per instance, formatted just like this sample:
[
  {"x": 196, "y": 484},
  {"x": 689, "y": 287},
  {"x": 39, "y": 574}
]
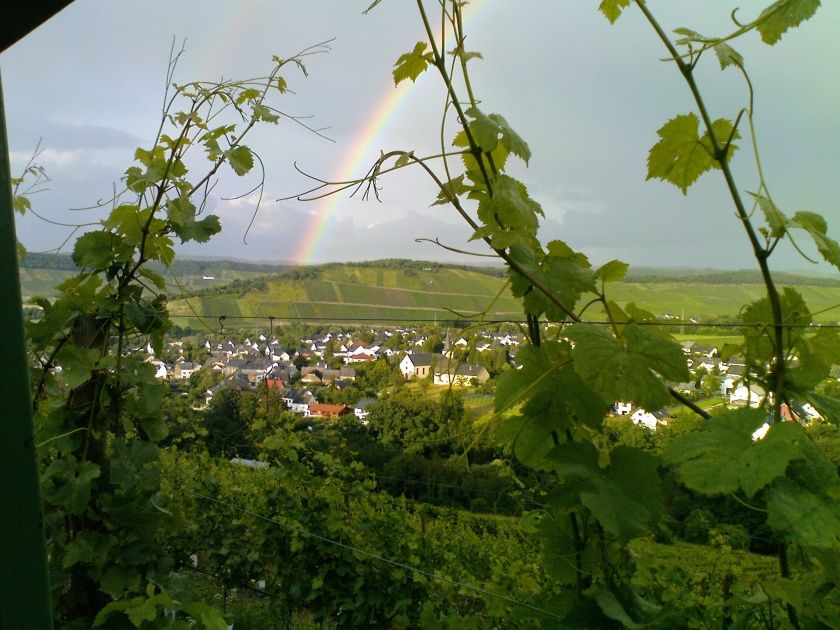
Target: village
[{"x": 328, "y": 362}]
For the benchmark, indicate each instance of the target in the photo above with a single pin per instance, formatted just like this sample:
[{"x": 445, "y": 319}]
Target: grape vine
[
  {"x": 98, "y": 406},
  {"x": 124, "y": 517},
  {"x": 551, "y": 409}
]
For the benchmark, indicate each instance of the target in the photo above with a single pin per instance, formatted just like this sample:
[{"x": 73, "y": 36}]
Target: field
[{"x": 349, "y": 292}]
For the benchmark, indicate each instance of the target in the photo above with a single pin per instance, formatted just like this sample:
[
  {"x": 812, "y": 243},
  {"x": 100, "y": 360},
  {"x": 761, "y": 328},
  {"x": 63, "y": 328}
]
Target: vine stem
[
  {"x": 719, "y": 154},
  {"x": 777, "y": 369},
  {"x": 439, "y": 63}
]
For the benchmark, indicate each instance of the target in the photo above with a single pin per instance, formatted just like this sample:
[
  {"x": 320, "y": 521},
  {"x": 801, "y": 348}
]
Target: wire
[
  {"x": 431, "y": 482},
  {"x": 658, "y": 324},
  {"x": 300, "y": 530}
]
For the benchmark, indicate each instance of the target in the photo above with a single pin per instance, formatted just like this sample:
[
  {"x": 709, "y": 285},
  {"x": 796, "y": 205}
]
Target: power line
[{"x": 428, "y": 574}]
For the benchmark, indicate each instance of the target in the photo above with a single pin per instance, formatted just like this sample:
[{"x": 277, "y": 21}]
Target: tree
[
  {"x": 226, "y": 425},
  {"x": 413, "y": 422},
  {"x": 433, "y": 343}
]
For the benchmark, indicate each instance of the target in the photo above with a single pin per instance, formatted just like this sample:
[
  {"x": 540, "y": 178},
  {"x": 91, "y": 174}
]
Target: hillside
[
  {"x": 414, "y": 291},
  {"x": 400, "y": 290},
  {"x": 387, "y": 291}
]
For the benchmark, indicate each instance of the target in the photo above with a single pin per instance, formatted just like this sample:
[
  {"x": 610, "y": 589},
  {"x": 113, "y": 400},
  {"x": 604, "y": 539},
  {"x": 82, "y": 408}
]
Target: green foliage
[
  {"x": 612, "y": 8},
  {"x": 412, "y": 64},
  {"x": 681, "y": 155},
  {"x": 275, "y": 524},
  {"x": 723, "y": 457},
  {"x": 550, "y": 409},
  {"x": 99, "y": 409},
  {"x": 412, "y": 421},
  {"x": 117, "y": 530},
  {"x": 626, "y": 368},
  {"x": 783, "y": 15}
]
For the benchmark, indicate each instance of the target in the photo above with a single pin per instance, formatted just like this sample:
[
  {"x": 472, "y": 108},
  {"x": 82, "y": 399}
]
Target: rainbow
[{"x": 360, "y": 157}]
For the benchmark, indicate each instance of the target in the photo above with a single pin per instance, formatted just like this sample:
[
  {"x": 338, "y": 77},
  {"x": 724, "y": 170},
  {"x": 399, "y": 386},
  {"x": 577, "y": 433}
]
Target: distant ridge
[
  {"x": 639, "y": 275},
  {"x": 647, "y": 275}
]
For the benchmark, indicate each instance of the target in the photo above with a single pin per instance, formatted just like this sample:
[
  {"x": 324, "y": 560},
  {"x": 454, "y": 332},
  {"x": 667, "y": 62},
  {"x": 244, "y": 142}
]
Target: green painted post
[{"x": 24, "y": 586}]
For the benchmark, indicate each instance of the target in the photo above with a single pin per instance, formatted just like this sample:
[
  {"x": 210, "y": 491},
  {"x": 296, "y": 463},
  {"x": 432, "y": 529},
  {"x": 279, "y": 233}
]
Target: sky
[{"x": 587, "y": 96}]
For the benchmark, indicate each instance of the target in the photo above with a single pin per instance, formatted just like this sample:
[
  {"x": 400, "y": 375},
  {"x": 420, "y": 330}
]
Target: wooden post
[{"x": 24, "y": 586}]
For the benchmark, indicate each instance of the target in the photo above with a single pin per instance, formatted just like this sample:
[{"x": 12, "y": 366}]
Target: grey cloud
[{"x": 25, "y": 132}]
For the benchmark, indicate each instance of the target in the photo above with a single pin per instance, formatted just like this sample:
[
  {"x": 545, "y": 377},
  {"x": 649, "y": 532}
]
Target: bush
[
  {"x": 735, "y": 536},
  {"x": 698, "y": 525}
]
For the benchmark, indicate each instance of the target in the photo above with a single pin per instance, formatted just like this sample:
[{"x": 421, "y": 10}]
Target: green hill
[
  {"x": 416, "y": 291},
  {"x": 405, "y": 291},
  {"x": 401, "y": 290}
]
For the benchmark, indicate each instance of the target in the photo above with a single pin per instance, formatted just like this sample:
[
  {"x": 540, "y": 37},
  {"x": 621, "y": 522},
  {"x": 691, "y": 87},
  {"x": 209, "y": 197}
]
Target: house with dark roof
[
  {"x": 254, "y": 368},
  {"x": 235, "y": 382},
  {"x": 184, "y": 369},
  {"x": 419, "y": 364},
  {"x": 650, "y": 419},
  {"x": 298, "y": 400},
  {"x": 464, "y": 374}
]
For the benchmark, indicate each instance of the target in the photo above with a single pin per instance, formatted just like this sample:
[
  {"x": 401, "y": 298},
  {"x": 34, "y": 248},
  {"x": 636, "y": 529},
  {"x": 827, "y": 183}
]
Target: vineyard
[{"x": 226, "y": 494}]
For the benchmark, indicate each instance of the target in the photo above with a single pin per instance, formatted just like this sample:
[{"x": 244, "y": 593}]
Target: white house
[
  {"x": 361, "y": 409},
  {"x": 743, "y": 396},
  {"x": 160, "y": 368},
  {"x": 650, "y": 419},
  {"x": 419, "y": 364},
  {"x": 446, "y": 373},
  {"x": 621, "y": 408}
]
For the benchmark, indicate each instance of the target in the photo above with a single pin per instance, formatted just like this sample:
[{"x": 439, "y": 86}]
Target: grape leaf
[
  {"x": 554, "y": 400},
  {"x": 411, "y": 64},
  {"x": 77, "y": 364},
  {"x": 612, "y": 8},
  {"x": 681, "y": 155},
  {"x": 612, "y": 271},
  {"x": 828, "y": 406},
  {"x": 728, "y": 56},
  {"x": 455, "y": 187},
  {"x": 723, "y": 457},
  {"x": 509, "y": 216},
  {"x": 491, "y": 131},
  {"x": 182, "y": 212},
  {"x": 816, "y": 226},
  {"x": 776, "y": 220},
  {"x": 404, "y": 159},
  {"x": 624, "y": 369},
  {"x": 783, "y": 15},
  {"x": 21, "y": 204},
  {"x": 262, "y": 112},
  {"x": 128, "y": 220},
  {"x": 816, "y": 354},
  {"x": 472, "y": 167},
  {"x": 511, "y": 140},
  {"x": 484, "y": 130},
  {"x": 566, "y": 273},
  {"x": 101, "y": 250},
  {"x": 624, "y": 496},
  {"x": 804, "y": 505},
  {"x": 240, "y": 159}
]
